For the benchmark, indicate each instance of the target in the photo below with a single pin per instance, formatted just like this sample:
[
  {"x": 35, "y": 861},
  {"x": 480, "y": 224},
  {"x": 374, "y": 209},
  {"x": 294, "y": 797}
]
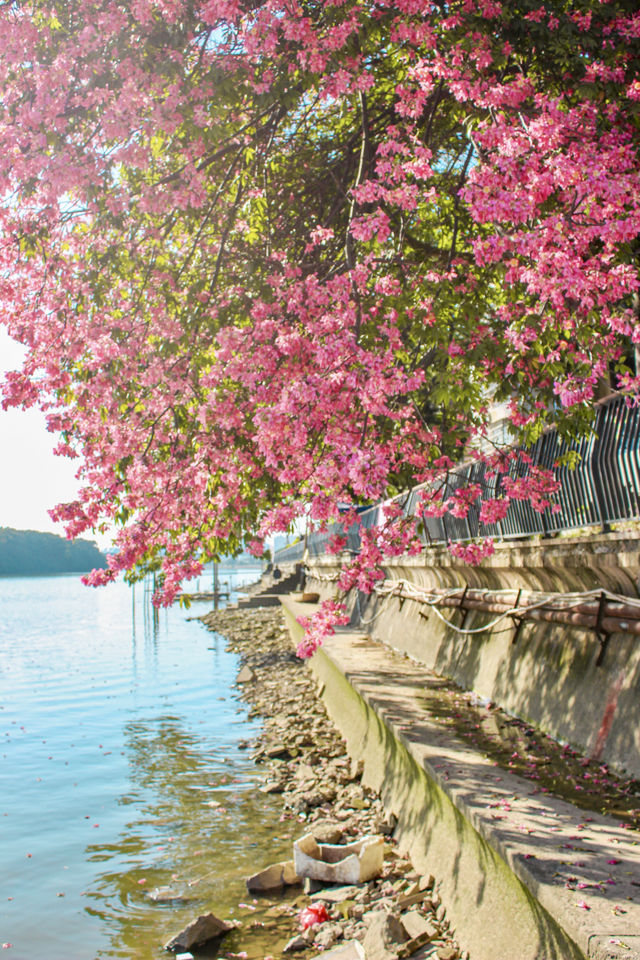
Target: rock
[
  {"x": 384, "y": 937},
  {"x": 246, "y": 675},
  {"x": 337, "y": 894},
  {"x": 349, "y": 950},
  {"x": 275, "y": 750},
  {"x": 357, "y": 769},
  {"x": 411, "y": 890},
  {"x": 386, "y": 825},
  {"x": 327, "y": 935},
  {"x": 325, "y": 831},
  {"x": 200, "y": 930},
  {"x": 296, "y": 943},
  {"x": 272, "y": 786},
  {"x": 447, "y": 953},
  {"x": 167, "y": 895},
  {"x": 427, "y": 882},
  {"x": 275, "y": 877},
  {"x": 309, "y": 597},
  {"x": 305, "y": 772},
  {"x": 316, "y": 798},
  {"x": 416, "y": 925},
  {"x": 427, "y": 952},
  {"x": 312, "y": 886}
]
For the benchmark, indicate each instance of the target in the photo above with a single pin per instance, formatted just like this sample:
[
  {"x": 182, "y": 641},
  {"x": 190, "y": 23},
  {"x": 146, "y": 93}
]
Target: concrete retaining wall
[
  {"x": 550, "y": 677},
  {"x": 501, "y": 878}
]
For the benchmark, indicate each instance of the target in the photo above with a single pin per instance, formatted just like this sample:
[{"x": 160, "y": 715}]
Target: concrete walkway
[{"x": 522, "y": 875}]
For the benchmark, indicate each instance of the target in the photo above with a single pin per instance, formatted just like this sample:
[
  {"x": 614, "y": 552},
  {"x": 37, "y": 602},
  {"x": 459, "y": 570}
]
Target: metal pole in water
[{"x": 216, "y": 588}]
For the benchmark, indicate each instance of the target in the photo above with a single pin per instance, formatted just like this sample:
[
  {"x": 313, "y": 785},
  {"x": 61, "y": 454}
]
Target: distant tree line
[{"x": 31, "y": 553}]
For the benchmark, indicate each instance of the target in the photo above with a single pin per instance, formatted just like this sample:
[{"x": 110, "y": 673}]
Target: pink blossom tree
[{"x": 273, "y": 257}]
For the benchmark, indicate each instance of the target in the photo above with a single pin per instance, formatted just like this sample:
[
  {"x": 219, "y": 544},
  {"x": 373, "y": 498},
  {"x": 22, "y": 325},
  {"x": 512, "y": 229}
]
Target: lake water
[{"x": 120, "y": 773}]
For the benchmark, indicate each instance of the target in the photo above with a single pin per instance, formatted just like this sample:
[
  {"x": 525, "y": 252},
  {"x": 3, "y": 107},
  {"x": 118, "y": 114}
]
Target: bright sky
[{"x": 32, "y": 480}]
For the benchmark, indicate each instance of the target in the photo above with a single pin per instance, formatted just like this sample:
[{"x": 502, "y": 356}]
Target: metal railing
[
  {"x": 292, "y": 553},
  {"x": 603, "y": 488}
]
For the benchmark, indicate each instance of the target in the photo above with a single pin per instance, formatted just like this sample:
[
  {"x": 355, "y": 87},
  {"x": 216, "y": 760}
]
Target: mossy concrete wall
[
  {"x": 550, "y": 677},
  {"x": 493, "y": 914}
]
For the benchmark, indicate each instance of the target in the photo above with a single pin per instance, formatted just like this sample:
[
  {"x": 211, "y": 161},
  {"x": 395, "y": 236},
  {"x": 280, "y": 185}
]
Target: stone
[
  {"x": 203, "y": 928},
  {"x": 409, "y": 900},
  {"x": 310, "y": 597},
  {"x": 427, "y": 882},
  {"x": 315, "y": 798},
  {"x": 384, "y": 937},
  {"x": 418, "y": 946},
  {"x": 447, "y": 953},
  {"x": 386, "y": 825},
  {"x": 272, "y": 786},
  {"x": 428, "y": 952},
  {"x": 167, "y": 895},
  {"x": 324, "y": 831},
  {"x": 337, "y": 894},
  {"x": 296, "y": 943},
  {"x": 312, "y": 886},
  {"x": 411, "y": 890},
  {"x": 246, "y": 675},
  {"x": 416, "y": 925},
  {"x": 184, "y": 956},
  {"x": 275, "y": 750},
  {"x": 349, "y": 950},
  {"x": 327, "y": 935},
  {"x": 357, "y": 769},
  {"x": 305, "y": 772},
  {"x": 274, "y": 877}
]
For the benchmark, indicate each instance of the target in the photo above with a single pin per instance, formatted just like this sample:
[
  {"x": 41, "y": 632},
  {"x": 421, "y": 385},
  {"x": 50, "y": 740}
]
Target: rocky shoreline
[{"x": 399, "y": 913}]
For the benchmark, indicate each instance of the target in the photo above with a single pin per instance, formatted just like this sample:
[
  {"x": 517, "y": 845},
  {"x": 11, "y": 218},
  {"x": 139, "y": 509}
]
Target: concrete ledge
[
  {"x": 502, "y": 855},
  {"x": 552, "y": 677}
]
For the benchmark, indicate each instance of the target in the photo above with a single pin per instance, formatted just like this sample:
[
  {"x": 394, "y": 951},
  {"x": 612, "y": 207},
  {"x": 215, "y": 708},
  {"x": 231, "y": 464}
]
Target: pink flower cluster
[
  {"x": 319, "y": 626},
  {"x": 256, "y": 281}
]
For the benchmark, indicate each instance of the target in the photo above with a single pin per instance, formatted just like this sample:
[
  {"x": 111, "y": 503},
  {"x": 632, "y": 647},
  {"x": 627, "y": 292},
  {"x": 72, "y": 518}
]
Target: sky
[{"x": 32, "y": 480}]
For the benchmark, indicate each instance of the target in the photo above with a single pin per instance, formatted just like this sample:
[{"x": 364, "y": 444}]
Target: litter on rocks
[{"x": 338, "y": 863}]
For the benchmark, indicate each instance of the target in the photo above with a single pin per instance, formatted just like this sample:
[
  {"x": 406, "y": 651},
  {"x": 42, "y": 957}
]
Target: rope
[{"x": 407, "y": 590}]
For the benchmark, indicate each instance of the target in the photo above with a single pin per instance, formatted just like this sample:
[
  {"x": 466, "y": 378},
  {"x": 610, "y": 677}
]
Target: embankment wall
[{"x": 550, "y": 677}]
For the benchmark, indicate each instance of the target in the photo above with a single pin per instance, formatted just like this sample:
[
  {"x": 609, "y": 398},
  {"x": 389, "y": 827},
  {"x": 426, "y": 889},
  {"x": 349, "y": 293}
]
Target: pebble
[
  {"x": 296, "y": 943},
  {"x": 322, "y": 793}
]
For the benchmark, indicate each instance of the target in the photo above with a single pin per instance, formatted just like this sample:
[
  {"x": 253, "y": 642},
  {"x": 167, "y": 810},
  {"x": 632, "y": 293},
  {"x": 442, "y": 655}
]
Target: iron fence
[{"x": 603, "y": 488}]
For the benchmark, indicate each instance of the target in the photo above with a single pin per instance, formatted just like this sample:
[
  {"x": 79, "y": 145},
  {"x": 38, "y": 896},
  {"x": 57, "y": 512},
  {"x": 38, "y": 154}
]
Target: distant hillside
[{"x": 27, "y": 553}]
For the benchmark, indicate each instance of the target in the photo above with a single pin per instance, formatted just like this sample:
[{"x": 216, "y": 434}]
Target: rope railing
[{"x": 600, "y": 611}]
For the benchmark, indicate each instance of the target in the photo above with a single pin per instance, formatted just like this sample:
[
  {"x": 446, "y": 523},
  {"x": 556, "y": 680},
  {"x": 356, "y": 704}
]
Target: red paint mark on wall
[{"x": 608, "y": 716}]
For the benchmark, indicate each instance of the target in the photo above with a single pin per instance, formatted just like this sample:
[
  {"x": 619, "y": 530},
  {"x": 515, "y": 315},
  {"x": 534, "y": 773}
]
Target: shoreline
[{"x": 321, "y": 791}]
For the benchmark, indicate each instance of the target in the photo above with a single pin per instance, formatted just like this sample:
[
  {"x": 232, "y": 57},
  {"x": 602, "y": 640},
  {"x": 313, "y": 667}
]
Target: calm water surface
[{"x": 120, "y": 773}]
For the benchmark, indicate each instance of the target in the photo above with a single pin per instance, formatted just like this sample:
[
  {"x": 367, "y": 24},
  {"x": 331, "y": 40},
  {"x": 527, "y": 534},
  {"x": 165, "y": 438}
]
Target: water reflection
[
  {"x": 193, "y": 839},
  {"x": 119, "y": 764}
]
